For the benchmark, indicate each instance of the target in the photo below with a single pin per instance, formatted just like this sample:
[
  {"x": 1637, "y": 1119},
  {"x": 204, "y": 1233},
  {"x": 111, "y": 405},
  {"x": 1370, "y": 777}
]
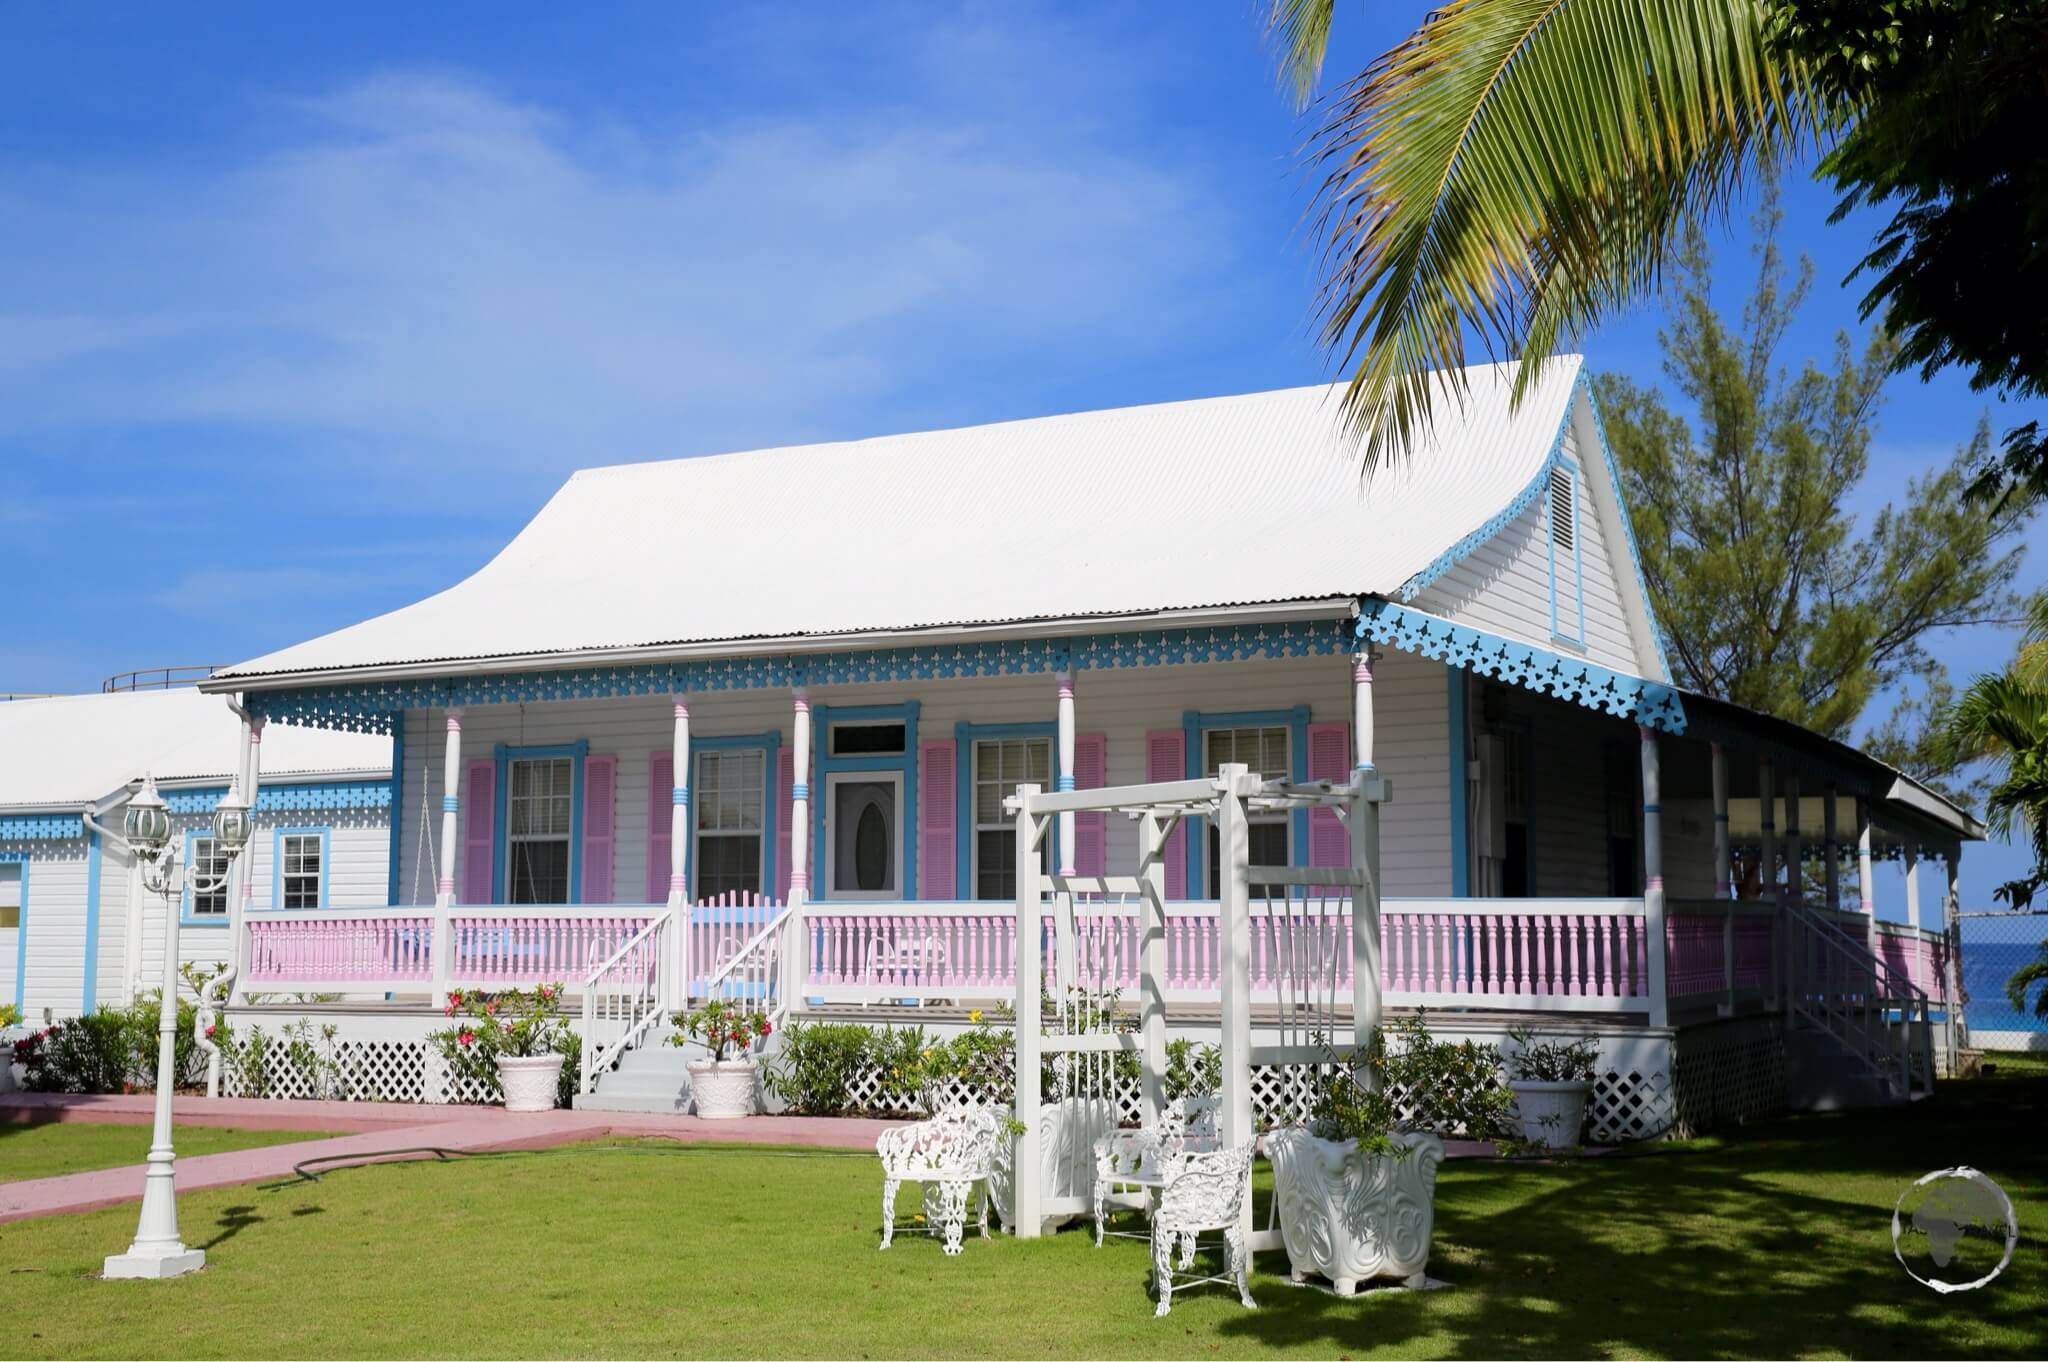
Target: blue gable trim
[
  {"x": 92, "y": 921},
  {"x": 1584, "y": 388},
  {"x": 35, "y": 827},
  {"x": 1193, "y": 724},
  {"x": 1495, "y": 523},
  {"x": 1519, "y": 664},
  {"x": 822, "y": 719},
  {"x": 312, "y": 796},
  {"x": 20, "y": 858},
  {"x": 501, "y": 835},
  {"x": 769, "y": 744},
  {"x": 964, "y": 736},
  {"x": 369, "y": 707}
]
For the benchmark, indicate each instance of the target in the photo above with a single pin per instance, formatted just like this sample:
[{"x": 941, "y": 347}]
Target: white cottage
[
  {"x": 704, "y": 710},
  {"x": 77, "y": 927}
]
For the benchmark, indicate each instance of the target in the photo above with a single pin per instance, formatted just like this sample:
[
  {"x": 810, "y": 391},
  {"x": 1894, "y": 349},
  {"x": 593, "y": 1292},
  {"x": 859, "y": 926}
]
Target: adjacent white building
[{"x": 77, "y": 928}]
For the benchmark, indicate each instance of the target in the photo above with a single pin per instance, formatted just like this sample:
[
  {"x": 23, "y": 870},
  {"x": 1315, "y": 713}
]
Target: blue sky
[{"x": 308, "y": 310}]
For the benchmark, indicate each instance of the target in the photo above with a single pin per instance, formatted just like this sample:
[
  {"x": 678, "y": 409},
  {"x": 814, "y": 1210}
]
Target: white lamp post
[{"x": 146, "y": 827}]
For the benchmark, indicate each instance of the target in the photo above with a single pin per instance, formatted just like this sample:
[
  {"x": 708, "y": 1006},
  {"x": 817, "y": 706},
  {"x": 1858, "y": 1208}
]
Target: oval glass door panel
[
  {"x": 871, "y": 849},
  {"x": 864, "y": 836}
]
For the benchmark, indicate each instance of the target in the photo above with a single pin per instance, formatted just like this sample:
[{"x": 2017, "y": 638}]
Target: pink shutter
[
  {"x": 479, "y": 831},
  {"x": 1166, "y": 758},
  {"x": 1329, "y": 758},
  {"x": 600, "y": 795},
  {"x": 938, "y": 799},
  {"x": 1091, "y": 759},
  {"x": 661, "y": 779},
  {"x": 785, "y": 776}
]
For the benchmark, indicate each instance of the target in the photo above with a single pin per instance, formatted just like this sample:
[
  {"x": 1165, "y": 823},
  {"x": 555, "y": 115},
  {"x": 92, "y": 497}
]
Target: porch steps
[
  {"x": 1823, "y": 1074},
  {"x": 653, "y": 1077}
]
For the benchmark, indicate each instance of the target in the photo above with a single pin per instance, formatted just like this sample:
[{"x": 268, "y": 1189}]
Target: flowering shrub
[
  {"x": 515, "y": 1023},
  {"x": 112, "y": 1049},
  {"x": 725, "y": 1028},
  {"x": 1450, "y": 1087}
]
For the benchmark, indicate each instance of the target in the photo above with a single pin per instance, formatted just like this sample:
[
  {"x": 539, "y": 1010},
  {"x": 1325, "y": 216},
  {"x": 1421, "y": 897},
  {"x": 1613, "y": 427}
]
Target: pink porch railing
[
  {"x": 1434, "y": 952},
  {"x": 491, "y": 949},
  {"x": 1696, "y": 946},
  {"x": 340, "y": 948}
]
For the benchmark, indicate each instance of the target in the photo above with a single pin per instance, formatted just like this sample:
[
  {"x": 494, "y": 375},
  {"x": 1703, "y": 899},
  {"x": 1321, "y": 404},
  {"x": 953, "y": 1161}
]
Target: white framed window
[
  {"x": 301, "y": 869},
  {"x": 1000, "y": 766},
  {"x": 730, "y": 793},
  {"x": 10, "y": 898},
  {"x": 539, "y": 803},
  {"x": 206, "y": 863},
  {"x": 1264, "y": 749}
]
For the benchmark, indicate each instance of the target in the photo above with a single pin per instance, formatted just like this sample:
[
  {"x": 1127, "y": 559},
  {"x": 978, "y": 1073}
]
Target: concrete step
[
  {"x": 610, "y": 1101},
  {"x": 1821, "y": 1074},
  {"x": 658, "y": 1059}
]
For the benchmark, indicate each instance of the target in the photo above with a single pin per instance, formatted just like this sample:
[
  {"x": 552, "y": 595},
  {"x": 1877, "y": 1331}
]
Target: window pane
[
  {"x": 729, "y": 865},
  {"x": 995, "y": 865},
  {"x": 207, "y": 865},
  {"x": 540, "y": 872},
  {"x": 850, "y": 740}
]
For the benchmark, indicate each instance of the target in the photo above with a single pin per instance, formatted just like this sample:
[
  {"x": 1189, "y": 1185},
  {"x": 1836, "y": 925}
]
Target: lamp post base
[{"x": 172, "y": 1262}]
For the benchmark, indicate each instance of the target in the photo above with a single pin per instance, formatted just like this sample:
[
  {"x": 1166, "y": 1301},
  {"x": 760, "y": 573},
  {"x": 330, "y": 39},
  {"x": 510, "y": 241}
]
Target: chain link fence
[{"x": 1995, "y": 945}]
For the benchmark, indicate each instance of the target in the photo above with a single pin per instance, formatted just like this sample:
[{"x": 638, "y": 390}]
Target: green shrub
[
  {"x": 813, "y": 1075},
  {"x": 110, "y": 1050}
]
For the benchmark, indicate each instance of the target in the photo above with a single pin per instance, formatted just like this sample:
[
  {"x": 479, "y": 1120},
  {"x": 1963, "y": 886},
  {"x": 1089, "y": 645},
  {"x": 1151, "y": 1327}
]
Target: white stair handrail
[
  {"x": 636, "y": 1007},
  {"x": 765, "y": 970}
]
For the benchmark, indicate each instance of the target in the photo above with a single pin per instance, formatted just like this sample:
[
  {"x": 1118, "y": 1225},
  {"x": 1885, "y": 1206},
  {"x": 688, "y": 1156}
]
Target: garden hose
[{"x": 302, "y": 1171}]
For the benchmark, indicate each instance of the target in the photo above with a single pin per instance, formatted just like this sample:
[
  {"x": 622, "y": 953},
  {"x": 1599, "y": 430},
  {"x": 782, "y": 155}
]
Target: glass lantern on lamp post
[{"x": 146, "y": 827}]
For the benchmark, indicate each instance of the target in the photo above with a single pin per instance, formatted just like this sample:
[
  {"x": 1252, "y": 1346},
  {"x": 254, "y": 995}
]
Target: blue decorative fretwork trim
[
  {"x": 1628, "y": 529},
  {"x": 1519, "y": 664},
  {"x": 333, "y": 794},
  {"x": 31, "y": 827},
  {"x": 368, "y": 707},
  {"x": 1457, "y": 552}
]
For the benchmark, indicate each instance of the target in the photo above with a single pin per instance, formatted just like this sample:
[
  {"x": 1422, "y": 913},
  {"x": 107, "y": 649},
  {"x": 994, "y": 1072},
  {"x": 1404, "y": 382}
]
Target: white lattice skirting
[{"x": 1729, "y": 1073}]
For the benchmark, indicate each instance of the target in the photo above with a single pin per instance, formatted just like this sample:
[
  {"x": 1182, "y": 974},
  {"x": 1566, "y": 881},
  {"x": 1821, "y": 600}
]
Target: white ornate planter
[
  {"x": 7, "y": 1083},
  {"x": 1552, "y": 1114},
  {"x": 724, "y": 1091},
  {"x": 531, "y": 1081},
  {"x": 1067, "y": 1132},
  {"x": 1350, "y": 1216}
]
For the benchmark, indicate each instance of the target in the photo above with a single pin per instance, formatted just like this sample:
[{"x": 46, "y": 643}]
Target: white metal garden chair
[
  {"x": 1205, "y": 1192},
  {"x": 1131, "y": 1164},
  {"x": 948, "y": 1154}
]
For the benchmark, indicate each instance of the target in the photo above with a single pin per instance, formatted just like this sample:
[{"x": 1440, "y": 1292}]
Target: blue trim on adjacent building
[
  {"x": 1194, "y": 723},
  {"x": 20, "y": 858},
  {"x": 1520, "y": 664},
  {"x": 38, "y": 827},
  {"x": 368, "y": 706},
  {"x": 501, "y": 835},
  {"x": 769, "y": 744},
  {"x": 822, "y": 719},
  {"x": 1461, "y": 843},
  {"x": 277, "y": 863},
  {"x": 306, "y": 797},
  {"x": 965, "y": 735},
  {"x": 397, "y": 802},
  {"x": 92, "y": 921},
  {"x": 186, "y": 917}
]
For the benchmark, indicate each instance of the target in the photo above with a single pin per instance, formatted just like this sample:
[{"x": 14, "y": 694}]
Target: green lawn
[
  {"x": 1775, "y": 1243},
  {"x": 44, "y": 1151}
]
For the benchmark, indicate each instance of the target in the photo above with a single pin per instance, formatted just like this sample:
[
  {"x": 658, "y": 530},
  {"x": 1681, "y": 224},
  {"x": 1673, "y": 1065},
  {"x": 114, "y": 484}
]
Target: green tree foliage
[
  {"x": 1770, "y": 589},
  {"x": 1949, "y": 103},
  {"x": 2003, "y": 719}
]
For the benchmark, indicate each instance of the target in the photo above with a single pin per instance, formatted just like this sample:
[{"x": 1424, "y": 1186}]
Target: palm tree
[{"x": 1516, "y": 169}]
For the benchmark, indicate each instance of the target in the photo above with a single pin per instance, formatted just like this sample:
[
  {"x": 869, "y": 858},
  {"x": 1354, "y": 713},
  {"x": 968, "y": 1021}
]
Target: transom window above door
[
  {"x": 730, "y": 793},
  {"x": 867, "y": 740},
  {"x": 1000, "y": 766},
  {"x": 539, "y": 816}
]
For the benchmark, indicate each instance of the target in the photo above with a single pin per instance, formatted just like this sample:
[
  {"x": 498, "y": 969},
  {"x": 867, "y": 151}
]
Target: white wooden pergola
[{"x": 1318, "y": 928}]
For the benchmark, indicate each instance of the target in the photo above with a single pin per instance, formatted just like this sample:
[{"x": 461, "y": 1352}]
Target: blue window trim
[
  {"x": 277, "y": 862},
  {"x": 501, "y": 827},
  {"x": 20, "y": 858},
  {"x": 186, "y": 917},
  {"x": 822, "y": 719},
  {"x": 965, "y": 735},
  {"x": 1194, "y": 723},
  {"x": 92, "y": 921},
  {"x": 769, "y": 744},
  {"x": 1461, "y": 859},
  {"x": 397, "y": 798}
]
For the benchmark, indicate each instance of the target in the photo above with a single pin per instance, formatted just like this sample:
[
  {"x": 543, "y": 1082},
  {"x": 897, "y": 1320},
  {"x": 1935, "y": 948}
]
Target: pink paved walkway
[{"x": 379, "y": 1125}]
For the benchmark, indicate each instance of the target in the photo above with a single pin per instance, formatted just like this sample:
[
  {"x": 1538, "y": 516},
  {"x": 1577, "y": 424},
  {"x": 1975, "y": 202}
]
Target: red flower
[
  {"x": 209, "y": 1033},
  {"x": 468, "y": 1037},
  {"x": 765, "y": 1027}
]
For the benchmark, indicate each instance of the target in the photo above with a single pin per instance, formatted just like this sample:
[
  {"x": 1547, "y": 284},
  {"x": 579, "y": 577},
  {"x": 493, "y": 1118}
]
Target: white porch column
[
  {"x": 451, "y": 807},
  {"x": 1767, "y": 868},
  {"x": 1866, "y": 892},
  {"x": 1065, "y": 780},
  {"x": 1152, "y": 961},
  {"x": 679, "y": 853},
  {"x": 1653, "y": 875},
  {"x": 1913, "y": 884},
  {"x": 1795, "y": 874},
  {"x": 1831, "y": 844},
  {"x": 1365, "y": 855},
  {"x": 1233, "y": 840},
  {"x": 799, "y": 846},
  {"x": 245, "y": 864},
  {"x": 1029, "y": 967},
  {"x": 1724, "y": 874}
]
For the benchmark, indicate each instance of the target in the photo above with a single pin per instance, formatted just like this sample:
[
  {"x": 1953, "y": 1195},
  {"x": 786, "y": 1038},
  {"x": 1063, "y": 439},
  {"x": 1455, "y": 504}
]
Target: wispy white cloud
[{"x": 442, "y": 277}]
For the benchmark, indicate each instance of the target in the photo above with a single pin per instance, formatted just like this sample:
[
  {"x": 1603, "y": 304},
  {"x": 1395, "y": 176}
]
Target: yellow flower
[{"x": 975, "y": 1016}]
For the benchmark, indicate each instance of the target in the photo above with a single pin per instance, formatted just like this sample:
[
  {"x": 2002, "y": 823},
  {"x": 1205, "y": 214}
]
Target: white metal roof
[
  {"x": 1187, "y": 505},
  {"x": 69, "y": 749}
]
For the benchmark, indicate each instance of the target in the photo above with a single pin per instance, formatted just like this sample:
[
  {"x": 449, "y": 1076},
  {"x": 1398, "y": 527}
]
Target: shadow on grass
[{"x": 233, "y": 1220}]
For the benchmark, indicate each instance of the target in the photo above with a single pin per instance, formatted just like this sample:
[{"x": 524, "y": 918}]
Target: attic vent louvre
[{"x": 1563, "y": 523}]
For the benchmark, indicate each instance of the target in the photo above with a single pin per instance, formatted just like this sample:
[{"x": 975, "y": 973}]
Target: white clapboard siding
[
  {"x": 1410, "y": 701},
  {"x": 53, "y": 915}
]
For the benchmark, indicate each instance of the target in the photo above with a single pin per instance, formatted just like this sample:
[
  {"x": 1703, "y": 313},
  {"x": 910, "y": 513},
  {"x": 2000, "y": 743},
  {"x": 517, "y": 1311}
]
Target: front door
[{"x": 864, "y": 835}]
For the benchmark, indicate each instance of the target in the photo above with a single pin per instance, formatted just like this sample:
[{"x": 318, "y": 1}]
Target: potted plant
[
  {"x": 1356, "y": 1183},
  {"x": 1551, "y": 1080},
  {"x": 516, "y": 1041},
  {"x": 723, "y": 1085},
  {"x": 10, "y": 1018}
]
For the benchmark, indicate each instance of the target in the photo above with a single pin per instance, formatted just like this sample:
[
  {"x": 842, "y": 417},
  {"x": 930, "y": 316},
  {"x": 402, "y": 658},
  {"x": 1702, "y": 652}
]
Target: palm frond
[
  {"x": 1516, "y": 169},
  {"x": 2025, "y": 977},
  {"x": 1300, "y": 30}
]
